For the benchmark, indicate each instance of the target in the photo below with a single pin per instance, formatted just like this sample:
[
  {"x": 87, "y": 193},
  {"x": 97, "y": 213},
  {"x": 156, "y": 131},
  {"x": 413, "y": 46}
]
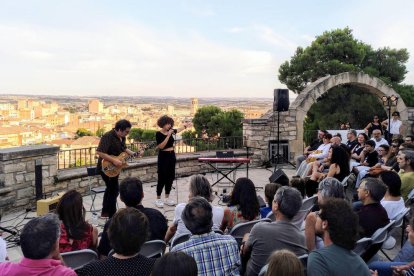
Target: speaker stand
[{"x": 277, "y": 156}]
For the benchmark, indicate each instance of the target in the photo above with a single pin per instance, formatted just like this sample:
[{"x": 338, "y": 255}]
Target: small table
[{"x": 234, "y": 160}]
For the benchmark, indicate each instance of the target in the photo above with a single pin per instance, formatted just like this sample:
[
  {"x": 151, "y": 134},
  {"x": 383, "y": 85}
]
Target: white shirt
[
  {"x": 325, "y": 150},
  {"x": 395, "y": 126},
  {"x": 218, "y": 214},
  {"x": 380, "y": 142},
  {"x": 393, "y": 208}
]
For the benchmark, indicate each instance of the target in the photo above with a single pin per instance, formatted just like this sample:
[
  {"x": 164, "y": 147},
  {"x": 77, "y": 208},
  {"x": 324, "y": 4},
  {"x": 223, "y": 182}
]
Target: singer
[{"x": 166, "y": 158}]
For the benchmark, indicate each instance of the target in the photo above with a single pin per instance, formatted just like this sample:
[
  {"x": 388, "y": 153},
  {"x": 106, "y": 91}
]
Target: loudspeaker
[
  {"x": 279, "y": 177},
  {"x": 281, "y": 100}
]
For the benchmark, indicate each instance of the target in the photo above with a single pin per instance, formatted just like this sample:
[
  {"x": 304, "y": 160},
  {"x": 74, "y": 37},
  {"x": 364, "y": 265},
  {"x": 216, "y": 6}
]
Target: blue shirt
[{"x": 214, "y": 254}]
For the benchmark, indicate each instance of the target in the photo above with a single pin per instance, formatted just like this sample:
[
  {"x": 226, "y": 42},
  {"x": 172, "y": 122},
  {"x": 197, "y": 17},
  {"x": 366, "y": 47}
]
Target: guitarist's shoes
[
  {"x": 170, "y": 202},
  {"x": 159, "y": 203}
]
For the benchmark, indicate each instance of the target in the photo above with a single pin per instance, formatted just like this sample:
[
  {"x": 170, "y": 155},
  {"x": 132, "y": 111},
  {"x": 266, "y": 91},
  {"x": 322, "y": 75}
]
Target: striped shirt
[{"x": 214, "y": 254}]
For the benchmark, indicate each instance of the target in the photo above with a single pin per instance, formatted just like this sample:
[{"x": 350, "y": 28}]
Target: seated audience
[
  {"x": 383, "y": 151},
  {"x": 338, "y": 226},
  {"x": 409, "y": 139},
  {"x": 405, "y": 161},
  {"x": 338, "y": 168},
  {"x": 214, "y": 254},
  {"x": 131, "y": 193},
  {"x": 371, "y": 214},
  {"x": 392, "y": 201},
  {"x": 312, "y": 147},
  {"x": 352, "y": 139},
  {"x": 378, "y": 139},
  {"x": 175, "y": 264},
  {"x": 328, "y": 188},
  {"x": 266, "y": 237},
  {"x": 199, "y": 186},
  {"x": 270, "y": 191},
  {"x": 397, "y": 267},
  {"x": 127, "y": 233},
  {"x": 39, "y": 241},
  {"x": 356, "y": 151},
  {"x": 369, "y": 158},
  {"x": 243, "y": 206},
  {"x": 319, "y": 154},
  {"x": 75, "y": 232},
  {"x": 298, "y": 183},
  {"x": 286, "y": 263}
]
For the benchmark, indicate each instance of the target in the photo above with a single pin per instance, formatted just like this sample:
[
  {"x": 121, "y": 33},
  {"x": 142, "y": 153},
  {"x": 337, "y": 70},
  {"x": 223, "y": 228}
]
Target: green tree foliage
[
  {"x": 214, "y": 120},
  {"x": 336, "y": 52},
  {"x": 100, "y": 131},
  {"x": 202, "y": 119},
  {"x": 139, "y": 134},
  {"x": 83, "y": 132}
]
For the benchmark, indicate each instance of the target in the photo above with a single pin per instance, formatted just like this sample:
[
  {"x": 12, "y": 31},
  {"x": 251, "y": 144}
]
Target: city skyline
[{"x": 180, "y": 49}]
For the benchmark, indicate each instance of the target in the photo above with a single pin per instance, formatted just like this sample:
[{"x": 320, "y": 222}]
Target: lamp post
[{"x": 389, "y": 101}]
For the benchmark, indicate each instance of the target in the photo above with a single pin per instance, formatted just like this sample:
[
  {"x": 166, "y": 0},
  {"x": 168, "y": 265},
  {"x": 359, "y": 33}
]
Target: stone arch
[{"x": 313, "y": 91}]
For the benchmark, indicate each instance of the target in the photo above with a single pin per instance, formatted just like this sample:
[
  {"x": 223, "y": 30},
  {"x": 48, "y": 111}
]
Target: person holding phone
[{"x": 166, "y": 158}]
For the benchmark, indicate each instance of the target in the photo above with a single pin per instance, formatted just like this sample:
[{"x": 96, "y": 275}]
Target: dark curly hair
[
  {"x": 342, "y": 222},
  {"x": 163, "y": 120},
  {"x": 244, "y": 195}
]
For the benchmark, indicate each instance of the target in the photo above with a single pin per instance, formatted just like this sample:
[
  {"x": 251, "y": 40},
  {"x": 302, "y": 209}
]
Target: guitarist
[{"x": 112, "y": 143}]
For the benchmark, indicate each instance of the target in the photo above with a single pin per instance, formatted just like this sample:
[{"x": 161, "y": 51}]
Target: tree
[
  {"x": 100, "y": 131},
  {"x": 83, "y": 132},
  {"x": 202, "y": 119},
  {"x": 336, "y": 52},
  {"x": 135, "y": 134}
]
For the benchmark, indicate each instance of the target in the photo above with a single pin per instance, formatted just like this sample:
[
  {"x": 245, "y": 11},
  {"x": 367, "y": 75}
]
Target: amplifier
[{"x": 47, "y": 205}]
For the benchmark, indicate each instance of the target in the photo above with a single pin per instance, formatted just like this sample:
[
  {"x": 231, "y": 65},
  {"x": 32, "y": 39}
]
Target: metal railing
[{"x": 84, "y": 157}]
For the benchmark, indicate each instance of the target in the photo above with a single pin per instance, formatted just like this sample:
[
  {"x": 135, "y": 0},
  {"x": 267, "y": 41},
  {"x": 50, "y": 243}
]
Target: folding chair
[
  {"x": 271, "y": 216},
  {"x": 93, "y": 191},
  {"x": 77, "y": 259},
  {"x": 307, "y": 205},
  {"x": 391, "y": 241},
  {"x": 362, "y": 245},
  {"x": 153, "y": 248},
  {"x": 179, "y": 239},
  {"x": 239, "y": 230},
  {"x": 223, "y": 166},
  {"x": 378, "y": 238}
]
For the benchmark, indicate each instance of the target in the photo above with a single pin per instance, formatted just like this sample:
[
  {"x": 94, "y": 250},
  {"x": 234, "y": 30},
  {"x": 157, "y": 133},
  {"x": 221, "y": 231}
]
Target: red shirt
[
  {"x": 28, "y": 267},
  {"x": 67, "y": 245}
]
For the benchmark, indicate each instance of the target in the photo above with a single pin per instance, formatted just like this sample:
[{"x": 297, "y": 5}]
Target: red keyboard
[{"x": 224, "y": 160}]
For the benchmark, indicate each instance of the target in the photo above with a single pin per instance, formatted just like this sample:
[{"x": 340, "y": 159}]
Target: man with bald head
[{"x": 378, "y": 139}]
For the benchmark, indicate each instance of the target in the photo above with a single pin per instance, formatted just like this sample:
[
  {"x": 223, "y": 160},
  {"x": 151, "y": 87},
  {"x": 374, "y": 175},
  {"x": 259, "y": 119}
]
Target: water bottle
[{"x": 94, "y": 219}]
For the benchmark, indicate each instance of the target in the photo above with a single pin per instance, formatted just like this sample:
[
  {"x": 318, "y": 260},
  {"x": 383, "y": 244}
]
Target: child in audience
[
  {"x": 270, "y": 191},
  {"x": 284, "y": 262},
  {"x": 298, "y": 183},
  {"x": 175, "y": 264}
]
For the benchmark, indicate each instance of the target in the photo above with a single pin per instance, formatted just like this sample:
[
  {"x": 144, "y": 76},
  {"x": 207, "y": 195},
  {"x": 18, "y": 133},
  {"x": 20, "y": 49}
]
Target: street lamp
[{"x": 389, "y": 101}]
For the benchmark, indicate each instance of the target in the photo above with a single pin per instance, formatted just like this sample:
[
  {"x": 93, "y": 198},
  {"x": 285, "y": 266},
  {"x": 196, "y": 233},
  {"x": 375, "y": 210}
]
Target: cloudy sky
[{"x": 177, "y": 48}]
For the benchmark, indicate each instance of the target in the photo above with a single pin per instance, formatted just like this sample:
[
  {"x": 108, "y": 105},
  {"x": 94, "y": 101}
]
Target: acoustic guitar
[{"x": 111, "y": 170}]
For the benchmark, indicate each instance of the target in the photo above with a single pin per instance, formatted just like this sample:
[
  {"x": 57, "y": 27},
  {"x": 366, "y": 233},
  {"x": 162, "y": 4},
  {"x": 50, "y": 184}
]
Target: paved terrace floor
[{"x": 259, "y": 176}]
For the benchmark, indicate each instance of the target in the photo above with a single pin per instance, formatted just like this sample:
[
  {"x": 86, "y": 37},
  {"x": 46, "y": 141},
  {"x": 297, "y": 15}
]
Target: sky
[{"x": 177, "y": 48}]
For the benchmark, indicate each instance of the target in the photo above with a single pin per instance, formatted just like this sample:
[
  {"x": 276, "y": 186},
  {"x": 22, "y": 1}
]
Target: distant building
[
  {"x": 170, "y": 110},
  {"x": 95, "y": 106},
  {"x": 194, "y": 106}
]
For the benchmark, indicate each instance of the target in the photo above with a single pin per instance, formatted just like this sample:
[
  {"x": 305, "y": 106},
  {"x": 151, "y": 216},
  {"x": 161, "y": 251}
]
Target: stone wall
[{"x": 17, "y": 174}]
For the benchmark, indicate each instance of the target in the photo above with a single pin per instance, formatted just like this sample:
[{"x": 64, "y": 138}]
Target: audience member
[
  {"x": 328, "y": 188},
  {"x": 369, "y": 158},
  {"x": 199, "y": 186},
  {"x": 397, "y": 267},
  {"x": 175, "y": 264},
  {"x": 375, "y": 124},
  {"x": 392, "y": 201},
  {"x": 378, "y": 139},
  {"x": 131, "y": 193},
  {"x": 320, "y": 153},
  {"x": 409, "y": 139},
  {"x": 357, "y": 150},
  {"x": 75, "y": 232},
  {"x": 352, "y": 139},
  {"x": 39, "y": 241},
  {"x": 127, "y": 233},
  {"x": 312, "y": 147},
  {"x": 405, "y": 161},
  {"x": 338, "y": 225},
  {"x": 383, "y": 151},
  {"x": 336, "y": 140},
  {"x": 395, "y": 125},
  {"x": 284, "y": 263},
  {"x": 262, "y": 240},
  {"x": 214, "y": 254},
  {"x": 298, "y": 183},
  {"x": 270, "y": 191},
  {"x": 243, "y": 206},
  {"x": 371, "y": 215}
]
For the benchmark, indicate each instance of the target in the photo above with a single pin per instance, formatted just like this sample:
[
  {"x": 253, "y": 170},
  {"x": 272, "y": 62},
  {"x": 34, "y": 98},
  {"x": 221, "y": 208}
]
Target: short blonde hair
[{"x": 284, "y": 263}]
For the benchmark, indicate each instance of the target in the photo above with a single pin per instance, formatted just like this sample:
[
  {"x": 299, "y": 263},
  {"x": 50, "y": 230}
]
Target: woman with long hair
[
  {"x": 375, "y": 124},
  {"x": 243, "y": 206},
  {"x": 76, "y": 232},
  {"x": 357, "y": 150},
  {"x": 339, "y": 165}
]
